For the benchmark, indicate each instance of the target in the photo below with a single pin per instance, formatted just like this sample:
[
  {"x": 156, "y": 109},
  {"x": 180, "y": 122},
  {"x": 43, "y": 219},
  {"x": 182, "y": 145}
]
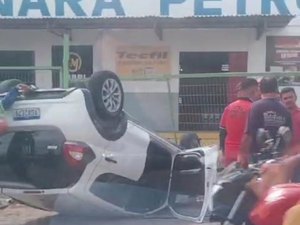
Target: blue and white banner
[{"x": 140, "y": 8}]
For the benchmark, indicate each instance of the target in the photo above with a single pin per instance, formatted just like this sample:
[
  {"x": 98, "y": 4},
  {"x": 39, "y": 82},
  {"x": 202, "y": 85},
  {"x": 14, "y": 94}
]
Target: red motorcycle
[{"x": 276, "y": 200}]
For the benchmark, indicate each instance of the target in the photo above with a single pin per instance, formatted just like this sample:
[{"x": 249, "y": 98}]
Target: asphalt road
[{"x": 18, "y": 214}]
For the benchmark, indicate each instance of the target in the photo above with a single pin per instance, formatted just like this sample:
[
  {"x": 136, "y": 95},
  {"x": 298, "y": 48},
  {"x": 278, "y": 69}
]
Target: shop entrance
[{"x": 202, "y": 100}]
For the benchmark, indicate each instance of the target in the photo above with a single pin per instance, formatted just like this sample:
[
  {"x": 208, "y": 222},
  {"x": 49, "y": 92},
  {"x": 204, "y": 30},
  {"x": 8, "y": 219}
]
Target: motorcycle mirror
[
  {"x": 286, "y": 134},
  {"x": 261, "y": 137}
]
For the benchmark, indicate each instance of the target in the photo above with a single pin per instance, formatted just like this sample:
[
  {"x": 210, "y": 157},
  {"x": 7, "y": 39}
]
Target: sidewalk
[{"x": 18, "y": 214}]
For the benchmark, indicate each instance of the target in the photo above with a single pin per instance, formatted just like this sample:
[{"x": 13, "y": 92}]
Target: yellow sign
[{"x": 139, "y": 60}]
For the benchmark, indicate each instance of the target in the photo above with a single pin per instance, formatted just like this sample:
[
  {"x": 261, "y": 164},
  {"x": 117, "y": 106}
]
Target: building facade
[{"x": 133, "y": 37}]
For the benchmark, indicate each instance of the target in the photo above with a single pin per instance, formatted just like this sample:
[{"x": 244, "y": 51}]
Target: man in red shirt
[
  {"x": 234, "y": 120},
  {"x": 289, "y": 97}
]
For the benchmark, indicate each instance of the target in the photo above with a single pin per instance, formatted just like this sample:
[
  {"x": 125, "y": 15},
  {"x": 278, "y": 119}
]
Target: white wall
[
  {"x": 105, "y": 43},
  {"x": 41, "y": 42},
  {"x": 178, "y": 41}
]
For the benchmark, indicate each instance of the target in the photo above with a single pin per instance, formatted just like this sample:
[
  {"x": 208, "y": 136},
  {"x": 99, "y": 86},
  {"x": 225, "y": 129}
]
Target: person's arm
[
  {"x": 291, "y": 163},
  {"x": 245, "y": 147},
  {"x": 9, "y": 99},
  {"x": 288, "y": 149},
  {"x": 289, "y": 122},
  {"x": 252, "y": 126},
  {"x": 222, "y": 131},
  {"x": 222, "y": 136},
  {"x": 12, "y": 95}
]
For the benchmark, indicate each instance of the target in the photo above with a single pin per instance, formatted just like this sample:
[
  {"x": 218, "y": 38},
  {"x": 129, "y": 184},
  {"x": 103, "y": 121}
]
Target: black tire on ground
[
  {"x": 7, "y": 85},
  {"x": 107, "y": 93}
]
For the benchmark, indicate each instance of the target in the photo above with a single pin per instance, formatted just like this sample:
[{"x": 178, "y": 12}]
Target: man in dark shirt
[{"x": 268, "y": 113}]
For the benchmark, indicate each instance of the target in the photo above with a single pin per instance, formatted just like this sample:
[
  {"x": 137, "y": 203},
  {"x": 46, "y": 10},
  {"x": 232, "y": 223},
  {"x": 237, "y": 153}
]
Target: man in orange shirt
[
  {"x": 234, "y": 120},
  {"x": 289, "y": 97}
]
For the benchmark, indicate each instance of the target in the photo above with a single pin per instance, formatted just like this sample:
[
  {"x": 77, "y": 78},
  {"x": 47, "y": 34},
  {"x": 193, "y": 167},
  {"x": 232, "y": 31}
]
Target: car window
[
  {"x": 128, "y": 194},
  {"x": 35, "y": 158},
  {"x": 5, "y": 140}
]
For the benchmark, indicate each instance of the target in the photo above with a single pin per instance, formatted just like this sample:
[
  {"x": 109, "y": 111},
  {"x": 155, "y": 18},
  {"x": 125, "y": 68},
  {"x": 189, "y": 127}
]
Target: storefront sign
[
  {"x": 139, "y": 60},
  {"x": 80, "y": 61},
  {"x": 173, "y": 8},
  {"x": 283, "y": 54}
]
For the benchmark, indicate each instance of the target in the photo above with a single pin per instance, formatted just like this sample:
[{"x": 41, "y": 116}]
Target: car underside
[{"x": 63, "y": 151}]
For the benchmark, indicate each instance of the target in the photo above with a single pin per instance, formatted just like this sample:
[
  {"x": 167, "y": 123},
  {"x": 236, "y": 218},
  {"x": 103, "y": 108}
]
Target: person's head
[
  {"x": 190, "y": 140},
  {"x": 288, "y": 97},
  {"x": 249, "y": 88},
  {"x": 269, "y": 85}
]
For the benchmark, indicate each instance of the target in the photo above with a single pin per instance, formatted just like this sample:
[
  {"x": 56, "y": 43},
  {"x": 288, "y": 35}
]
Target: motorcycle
[{"x": 232, "y": 200}]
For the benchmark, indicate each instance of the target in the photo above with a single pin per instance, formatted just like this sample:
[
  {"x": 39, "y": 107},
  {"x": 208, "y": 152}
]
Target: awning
[
  {"x": 259, "y": 22},
  {"x": 250, "y": 21}
]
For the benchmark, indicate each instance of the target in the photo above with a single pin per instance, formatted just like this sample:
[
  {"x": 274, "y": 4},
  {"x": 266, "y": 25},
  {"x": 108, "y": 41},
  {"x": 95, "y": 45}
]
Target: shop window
[{"x": 202, "y": 100}]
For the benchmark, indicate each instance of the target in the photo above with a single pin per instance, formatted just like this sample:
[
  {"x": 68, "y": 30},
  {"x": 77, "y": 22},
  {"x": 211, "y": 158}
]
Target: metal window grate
[
  {"x": 27, "y": 76},
  {"x": 201, "y": 103}
]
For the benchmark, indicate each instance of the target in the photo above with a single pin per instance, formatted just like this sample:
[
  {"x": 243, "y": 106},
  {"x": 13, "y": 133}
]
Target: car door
[
  {"x": 193, "y": 176},
  {"x": 134, "y": 175}
]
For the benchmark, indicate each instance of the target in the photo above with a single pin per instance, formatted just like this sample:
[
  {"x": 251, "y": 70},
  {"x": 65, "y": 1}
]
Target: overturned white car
[{"x": 75, "y": 152}]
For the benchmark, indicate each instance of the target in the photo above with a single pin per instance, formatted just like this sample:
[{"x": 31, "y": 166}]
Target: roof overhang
[{"x": 260, "y": 22}]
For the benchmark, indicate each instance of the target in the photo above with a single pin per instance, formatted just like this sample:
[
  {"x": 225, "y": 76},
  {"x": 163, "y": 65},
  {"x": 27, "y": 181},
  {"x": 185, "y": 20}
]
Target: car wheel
[
  {"x": 107, "y": 93},
  {"x": 7, "y": 85}
]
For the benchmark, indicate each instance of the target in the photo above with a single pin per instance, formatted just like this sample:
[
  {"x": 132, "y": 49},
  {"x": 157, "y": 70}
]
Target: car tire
[
  {"x": 7, "y": 85},
  {"x": 107, "y": 93}
]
